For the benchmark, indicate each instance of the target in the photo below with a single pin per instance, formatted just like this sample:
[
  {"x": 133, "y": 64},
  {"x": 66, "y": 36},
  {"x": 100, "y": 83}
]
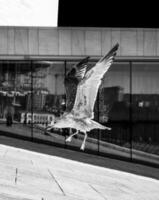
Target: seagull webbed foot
[
  {"x": 69, "y": 139},
  {"x": 49, "y": 128},
  {"x": 82, "y": 147},
  {"x": 84, "y": 142},
  {"x": 108, "y": 128}
]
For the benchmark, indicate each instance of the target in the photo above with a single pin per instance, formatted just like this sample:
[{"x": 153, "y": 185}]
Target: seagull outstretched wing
[
  {"x": 73, "y": 77},
  {"x": 88, "y": 87}
]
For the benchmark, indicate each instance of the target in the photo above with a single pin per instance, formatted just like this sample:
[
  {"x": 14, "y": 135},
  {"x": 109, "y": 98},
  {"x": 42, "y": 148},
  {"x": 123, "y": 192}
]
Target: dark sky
[{"x": 97, "y": 13}]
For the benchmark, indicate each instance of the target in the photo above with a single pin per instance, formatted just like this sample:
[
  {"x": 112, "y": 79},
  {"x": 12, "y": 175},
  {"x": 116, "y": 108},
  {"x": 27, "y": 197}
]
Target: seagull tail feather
[{"x": 96, "y": 125}]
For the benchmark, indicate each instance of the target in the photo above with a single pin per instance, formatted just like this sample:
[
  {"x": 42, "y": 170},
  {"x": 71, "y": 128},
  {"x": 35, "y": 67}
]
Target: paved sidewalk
[{"x": 28, "y": 175}]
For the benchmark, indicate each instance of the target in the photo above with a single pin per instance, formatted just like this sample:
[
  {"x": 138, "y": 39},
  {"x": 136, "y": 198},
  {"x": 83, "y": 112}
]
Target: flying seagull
[
  {"x": 71, "y": 81},
  {"x": 81, "y": 115}
]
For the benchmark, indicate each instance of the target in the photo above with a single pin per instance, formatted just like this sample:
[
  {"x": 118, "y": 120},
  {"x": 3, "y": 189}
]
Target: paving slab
[{"x": 31, "y": 175}]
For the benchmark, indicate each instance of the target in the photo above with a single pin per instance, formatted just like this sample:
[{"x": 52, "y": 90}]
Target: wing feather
[
  {"x": 73, "y": 77},
  {"x": 88, "y": 88}
]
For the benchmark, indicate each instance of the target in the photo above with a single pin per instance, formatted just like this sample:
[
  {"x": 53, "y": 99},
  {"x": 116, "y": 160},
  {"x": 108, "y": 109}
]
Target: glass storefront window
[
  {"x": 48, "y": 98},
  {"x": 33, "y": 94},
  {"x": 145, "y": 106},
  {"x": 114, "y": 102},
  {"x": 15, "y": 91},
  {"x": 48, "y": 87}
]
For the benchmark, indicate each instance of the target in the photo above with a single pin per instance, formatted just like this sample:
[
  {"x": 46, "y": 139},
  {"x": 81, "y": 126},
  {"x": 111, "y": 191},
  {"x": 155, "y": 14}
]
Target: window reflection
[
  {"x": 48, "y": 85},
  {"x": 145, "y": 91},
  {"x": 48, "y": 99},
  {"x": 35, "y": 92},
  {"x": 15, "y": 78},
  {"x": 114, "y": 102},
  {"x": 115, "y": 92},
  {"x": 48, "y": 89},
  {"x": 145, "y": 106},
  {"x": 15, "y": 90}
]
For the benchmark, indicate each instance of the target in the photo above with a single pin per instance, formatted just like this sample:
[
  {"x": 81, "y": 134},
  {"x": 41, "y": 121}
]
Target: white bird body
[
  {"x": 68, "y": 120},
  {"x": 81, "y": 114}
]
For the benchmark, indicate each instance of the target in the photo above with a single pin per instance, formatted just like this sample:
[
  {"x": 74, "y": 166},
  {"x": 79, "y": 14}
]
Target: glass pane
[
  {"x": 15, "y": 89},
  {"x": 48, "y": 96},
  {"x": 145, "y": 102},
  {"x": 114, "y": 102}
]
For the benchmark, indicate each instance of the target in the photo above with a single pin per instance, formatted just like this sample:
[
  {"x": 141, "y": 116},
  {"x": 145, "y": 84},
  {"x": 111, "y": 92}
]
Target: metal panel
[
  {"x": 21, "y": 41},
  {"x": 48, "y": 41},
  {"x": 77, "y": 41},
  {"x": 33, "y": 41},
  {"x": 93, "y": 42},
  {"x": 157, "y": 38},
  {"x": 150, "y": 43},
  {"x": 64, "y": 42},
  {"x": 106, "y": 41},
  {"x": 3, "y": 40},
  {"x": 18, "y": 41},
  {"x": 128, "y": 43},
  {"x": 11, "y": 42},
  {"x": 139, "y": 40}
]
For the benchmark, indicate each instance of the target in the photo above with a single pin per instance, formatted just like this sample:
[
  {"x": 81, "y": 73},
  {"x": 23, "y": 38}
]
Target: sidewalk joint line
[
  {"x": 56, "y": 182},
  {"x": 16, "y": 173},
  {"x": 98, "y": 192}
]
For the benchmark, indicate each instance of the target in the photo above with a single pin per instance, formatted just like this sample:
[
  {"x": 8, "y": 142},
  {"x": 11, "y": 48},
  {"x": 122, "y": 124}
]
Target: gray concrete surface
[{"x": 31, "y": 175}]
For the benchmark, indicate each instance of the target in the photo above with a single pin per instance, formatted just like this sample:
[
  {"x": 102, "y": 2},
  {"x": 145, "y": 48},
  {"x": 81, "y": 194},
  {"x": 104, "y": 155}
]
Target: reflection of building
[
  {"x": 14, "y": 86},
  {"x": 111, "y": 94},
  {"x": 107, "y": 97},
  {"x": 38, "y": 101}
]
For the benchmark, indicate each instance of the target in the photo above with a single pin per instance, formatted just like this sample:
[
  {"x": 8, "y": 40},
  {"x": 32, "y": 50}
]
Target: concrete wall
[{"x": 77, "y": 41}]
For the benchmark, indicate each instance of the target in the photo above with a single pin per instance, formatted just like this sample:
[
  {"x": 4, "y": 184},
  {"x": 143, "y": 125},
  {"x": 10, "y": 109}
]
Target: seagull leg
[
  {"x": 49, "y": 128},
  {"x": 69, "y": 139},
  {"x": 84, "y": 141},
  {"x": 70, "y": 131}
]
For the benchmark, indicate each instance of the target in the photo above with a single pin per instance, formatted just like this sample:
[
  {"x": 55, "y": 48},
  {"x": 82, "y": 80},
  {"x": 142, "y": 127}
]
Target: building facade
[
  {"x": 51, "y": 43},
  {"x": 36, "y": 60}
]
